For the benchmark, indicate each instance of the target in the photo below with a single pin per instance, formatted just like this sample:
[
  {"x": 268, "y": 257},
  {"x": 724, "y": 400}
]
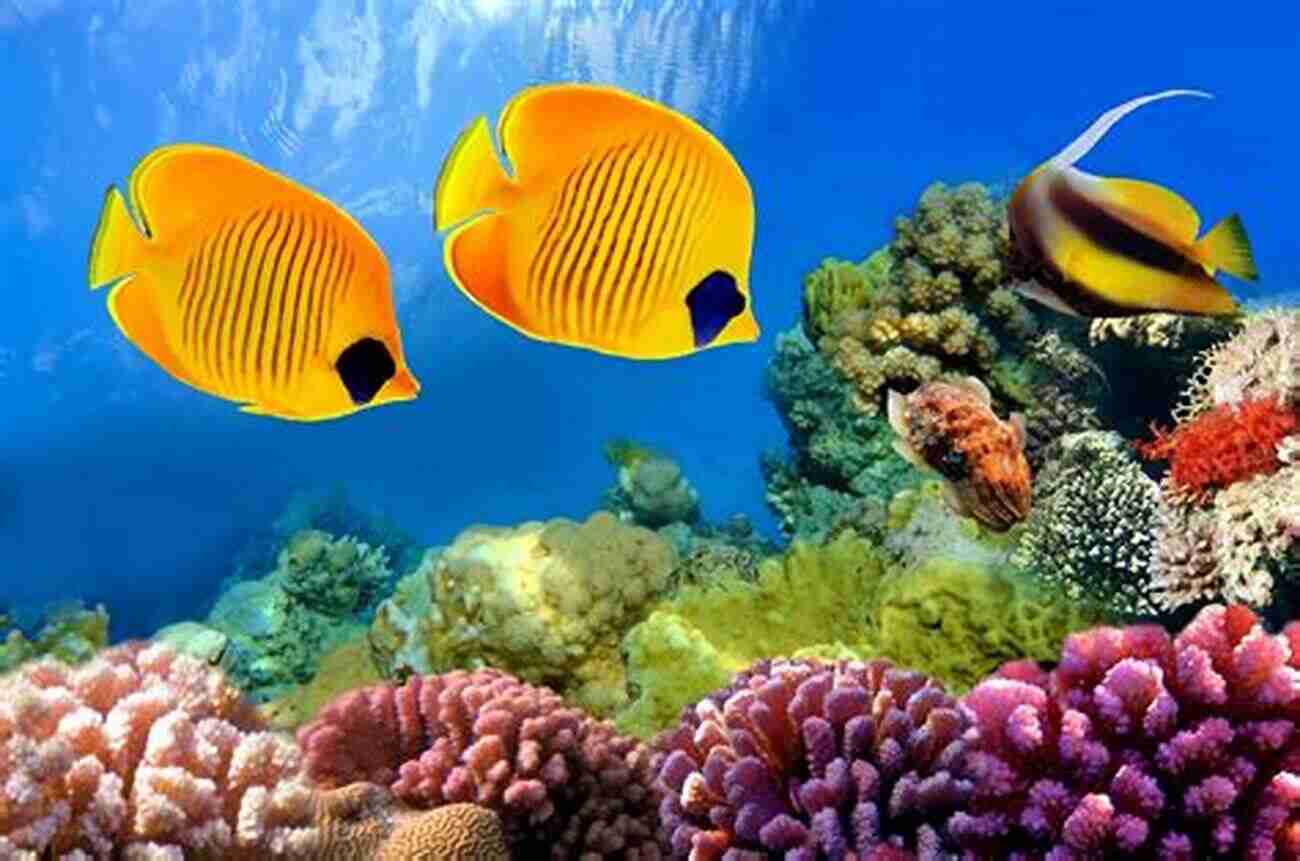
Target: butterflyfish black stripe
[
  {"x": 550, "y": 238},
  {"x": 554, "y": 279},
  {"x": 240, "y": 341},
  {"x": 316, "y": 306},
  {"x": 293, "y": 360},
  {"x": 210, "y": 258},
  {"x": 292, "y": 276},
  {"x": 644, "y": 278},
  {"x": 274, "y": 286},
  {"x": 697, "y": 213},
  {"x": 1109, "y": 232},
  {"x": 193, "y": 278},
  {"x": 603, "y": 284},
  {"x": 338, "y": 289},
  {"x": 686, "y": 196},
  {"x": 230, "y": 308},
  {"x": 626, "y": 284},
  {"x": 223, "y": 284},
  {"x": 591, "y": 205},
  {"x": 602, "y": 244}
]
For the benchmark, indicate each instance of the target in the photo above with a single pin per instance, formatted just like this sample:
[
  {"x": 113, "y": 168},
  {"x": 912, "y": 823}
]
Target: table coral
[
  {"x": 564, "y": 784},
  {"x": 1140, "y": 745},
  {"x": 807, "y": 760},
  {"x": 546, "y": 601},
  {"x": 146, "y": 751},
  {"x": 1090, "y": 534}
]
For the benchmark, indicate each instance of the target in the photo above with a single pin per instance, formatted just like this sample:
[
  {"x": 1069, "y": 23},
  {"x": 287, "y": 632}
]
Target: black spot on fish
[
  {"x": 713, "y": 303},
  {"x": 949, "y": 462},
  {"x": 364, "y": 367}
]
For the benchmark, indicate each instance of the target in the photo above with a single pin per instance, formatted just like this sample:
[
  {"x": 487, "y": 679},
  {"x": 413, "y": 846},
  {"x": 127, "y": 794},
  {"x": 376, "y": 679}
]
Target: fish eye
[
  {"x": 951, "y": 464},
  {"x": 713, "y": 303},
  {"x": 364, "y": 367}
]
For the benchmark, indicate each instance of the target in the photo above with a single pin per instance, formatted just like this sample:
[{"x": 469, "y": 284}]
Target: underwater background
[
  {"x": 119, "y": 485},
  {"x": 666, "y": 544}
]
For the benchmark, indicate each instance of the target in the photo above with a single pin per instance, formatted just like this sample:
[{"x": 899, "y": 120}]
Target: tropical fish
[
  {"x": 245, "y": 285},
  {"x": 952, "y": 429},
  {"x": 1120, "y": 247},
  {"x": 626, "y": 228}
]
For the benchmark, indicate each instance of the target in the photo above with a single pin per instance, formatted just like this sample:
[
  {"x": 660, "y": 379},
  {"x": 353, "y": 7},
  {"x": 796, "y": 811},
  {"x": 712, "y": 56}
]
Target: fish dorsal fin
[
  {"x": 974, "y": 384},
  {"x": 898, "y": 413},
  {"x": 1149, "y": 208},
  {"x": 558, "y": 125},
  {"x": 1084, "y": 143}
]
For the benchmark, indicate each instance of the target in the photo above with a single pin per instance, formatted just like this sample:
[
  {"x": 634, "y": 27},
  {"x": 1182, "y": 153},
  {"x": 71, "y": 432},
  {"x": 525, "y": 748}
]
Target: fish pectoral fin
[
  {"x": 1226, "y": 247},
  {"x": 1145, "y": 206},
  {"x": 132, "y": 307},
  {"x": 897, "y": 405},
  {"x": 476, "y": 256}
]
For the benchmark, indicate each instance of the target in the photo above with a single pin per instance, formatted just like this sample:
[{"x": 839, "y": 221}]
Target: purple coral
[
  {"x": 814, "y": 760},
  {"x": 564, "y": 784},
  {"x": 1141, "y": 745}
]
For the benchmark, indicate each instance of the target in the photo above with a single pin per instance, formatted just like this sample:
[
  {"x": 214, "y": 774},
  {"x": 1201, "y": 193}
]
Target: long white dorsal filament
[{"x": 1095, "y": 132}]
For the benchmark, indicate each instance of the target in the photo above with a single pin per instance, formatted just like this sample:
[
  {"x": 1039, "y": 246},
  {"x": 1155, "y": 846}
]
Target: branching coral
[
  {"x": 1230, "y": 508},
  {"x": 1090, "y": 532},
  {"x": 547, "y": 601},
  {"x": 145, "y": 751},
  {"x": 1139, "y": 745},
  {"x": 564, "y": 784},
  {"x": 808, "y": 759}
]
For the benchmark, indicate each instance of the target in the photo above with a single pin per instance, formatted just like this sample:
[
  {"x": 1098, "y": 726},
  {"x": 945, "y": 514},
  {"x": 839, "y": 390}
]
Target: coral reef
[
  {"x": 143, "y": 750},
  {"x": 1139, "y": 745},
  {"x": 346, "y": 667},
  {"x": 1090, "y": 534},
  {"x": 650, "y": 489},
  {"x": 545, "y": 601},
  {"x": 71, "y": 633},
  {"x": 815, "y": 760},
  {"x": 452, "y": 832},
  {"x": 1229, "y": 511},
  {"x": 319, "y": 596},
  {"x": 563, "y": 783}
]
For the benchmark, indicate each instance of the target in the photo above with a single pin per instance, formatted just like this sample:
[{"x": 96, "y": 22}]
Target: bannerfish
[
  {"x": 626, "y": 228},
  {"x": 1120, "y": 247},
  {"x": 247, "y": 286},
  {"x": 950, "y": 427}
]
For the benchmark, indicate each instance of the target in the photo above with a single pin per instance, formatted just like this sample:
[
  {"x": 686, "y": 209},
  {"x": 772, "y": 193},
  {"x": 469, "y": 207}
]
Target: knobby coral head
[
  {"x": 814, "y": 760},
  {"x": 1141, "y": 745}
]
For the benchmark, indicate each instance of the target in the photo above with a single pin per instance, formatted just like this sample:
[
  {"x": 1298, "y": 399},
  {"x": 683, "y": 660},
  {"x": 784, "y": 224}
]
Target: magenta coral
[
  {"x": 565, "y": 784},
  {"x": 147, "y": 751},
  {"x": 805, "y": 760},
  {"x": 1141, "y": 745}
]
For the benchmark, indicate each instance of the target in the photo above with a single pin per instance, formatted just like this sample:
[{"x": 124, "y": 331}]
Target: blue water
[{"x": 118, "y": 484}]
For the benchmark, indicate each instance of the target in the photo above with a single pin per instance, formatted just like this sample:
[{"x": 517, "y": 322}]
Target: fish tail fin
[
  {"x": 1081, "y": 145},
  {"x": 1226, "y": 247},
  {"x": 472, "y": 178},
  {"x": 118, "y": 244}
]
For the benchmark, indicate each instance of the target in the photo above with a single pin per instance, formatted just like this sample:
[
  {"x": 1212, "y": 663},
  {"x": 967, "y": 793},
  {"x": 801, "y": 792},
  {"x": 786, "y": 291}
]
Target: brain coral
[
  {"x": 808, "y": 760},
  {"x": 545, "y": 601},
  {"x": 1141, "y": 745}
]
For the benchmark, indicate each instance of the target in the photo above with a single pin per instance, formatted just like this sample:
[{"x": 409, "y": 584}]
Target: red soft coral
[{"x": 1223, "y": 446}]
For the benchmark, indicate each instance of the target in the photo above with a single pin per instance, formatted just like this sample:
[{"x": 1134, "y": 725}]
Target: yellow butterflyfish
[
  {"x": 1119, "y": 247},
  {"x": 626, "y": 228},
  {"x": 247, "y": 286}
]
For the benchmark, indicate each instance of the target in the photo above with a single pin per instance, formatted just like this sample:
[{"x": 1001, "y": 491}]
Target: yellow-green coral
[
  {"x": 547, "y": 602},
  {"x": 71, "y": 633},
  {"x": 838, "y": 287}
]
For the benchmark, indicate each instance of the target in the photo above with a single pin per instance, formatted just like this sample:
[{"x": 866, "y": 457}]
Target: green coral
[
  {"x": 320, "y": 594},
  {"x": 837, "y": 288},
  {"x": 71, "y": 633},
  {"x": 547, "y": 602}
]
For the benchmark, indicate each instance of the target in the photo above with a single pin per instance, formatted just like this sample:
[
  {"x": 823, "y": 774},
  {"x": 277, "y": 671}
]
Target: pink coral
[
  {"x": 565, "y": 784},
  {"x": 146, "y": 749},
  {"x": 1141, "y": 745}
]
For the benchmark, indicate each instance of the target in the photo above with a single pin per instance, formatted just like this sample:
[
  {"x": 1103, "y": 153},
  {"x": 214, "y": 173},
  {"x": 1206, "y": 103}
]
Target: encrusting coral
[
  {"x": 1229, "y": 512},
  {"x": 1090, "y": 532},
  {"x": 564, "y": 784},
  {"x": 1141, "y": 745},
  {"x": 145, "y": 751},
  {"x": 810, "y": 759},
  {"x": 546, "y": 601}
]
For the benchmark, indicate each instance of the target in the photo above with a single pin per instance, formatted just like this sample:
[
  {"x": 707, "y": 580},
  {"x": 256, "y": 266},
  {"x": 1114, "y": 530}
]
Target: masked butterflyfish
[
  {"x": 1118, "y": 247},
  {"x": 626, "y": 228},
  {"x": 248, "y": 286}
]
